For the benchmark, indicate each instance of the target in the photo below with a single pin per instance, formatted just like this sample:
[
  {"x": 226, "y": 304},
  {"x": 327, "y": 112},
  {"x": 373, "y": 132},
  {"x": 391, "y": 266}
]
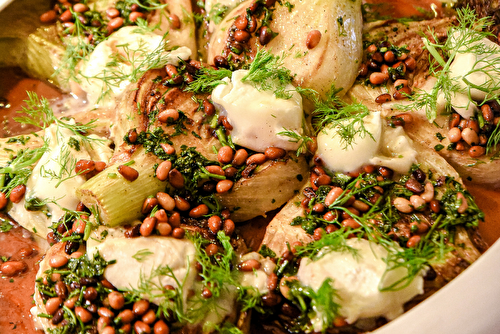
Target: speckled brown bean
[
  {"x": 102, "y": 323},
  {"x": 84, "y": 315},
  {"x": 164, "y": 228},
  {"x": 140, "y": 307},
  {"x": 225, "y": 155},
  {"x": 148, "y": 205},
  {"x": 435, "y": 206},
  {"x": 470, "y": 136},
  {"x": 318, "y": 233},
  {"x": 167, "y": 148},
  {"x": 12, "y": 268},
  {"x": 214, "y": 224},
  {"x": 178, "y": 233},
  {"x": 377, "y": 57},
  {"x": 257, "y": 158},
  {"x": 371, "y": 48},
  {"x": 414, "y": 186},
  {"x": 487, "y": 113},
  {"x": 350, "y": 223},
  {"x": 454, "y": 135},
  {"x": 128, "y": 173},
  {"x": 211, "y": 249},
  {"x": 176, "y": 179},
  {"x": 334, "y": 193},
  {"x": 417, "y": 202},
  {"x": 241, "y": 22},
  {"x": 419, "y": 227},
  {"x": 163, "y": 169},
  {"x": 249, "y": 265},
  {"x": 413, "y": 241},
  {"x": 105, "y": 312},
  {"x": 66, "y": 16},
  {"x": 410, "y": 63},
  {"x": 142, "y": 328},
  {"x": 318, "y": 208},
  {"x": 240, "y": 157},
  {"x": 241, "y": 36},
  {"x": 126, "y": 316},
  {"x": 199, "y": 211},
  {"x": 402, "y": 205},
  {"x": 70, "y": 303},
  {"x": 175, "y": 23},
  {"x": 166, "y": 201},
  {"x": 223, "y": 186},
  {"x": 48, "y": 17},
  {"x": 313, "y": 38},
  {"x": 402, "y": 93},
  {"x": 208, "y": 107},
  {"x": 383, "y": 98},
  {"x": 53, "y": 305},
  {"x": 58, "y": 261},
  {"x": 17, "y": 194},
  {"x": 473, "y": 124},
  {"x": 80, "y": 7},
  {"x": 3, "y": 201},
  {"x": 175, "y": 219},
  {"x": 272, "y": 282},
  {"x": 115, "y": 23},
  {"x": 265, "y": 35},
  {"x": 147, "y": 226},
  {"x": 116, "y": 300},
  {"x": 384, "y": 69},
  {"x": 454, "y": 120},
  {"x": 61, "y": 290},
  {"x": 378, "y": 78},
  {"x": 111, "y": 13},
  {"x": 161, "y": 327},
  {"x": 228, "y": 227},
  {"x": 389, "y": 56},
  {"x": 168, "y": 115},
  {"x": 476, "y": 151},
  {"x": 252, "y": 25},
  {"x": 134, "y": 16},
  {"x": 330, "y": 229},
  {"x": 126, "y": 329},
  {"x": 360, "y": 206},
  {"x": 108, "y": 330},
  {"x": 220, "y": 62}
]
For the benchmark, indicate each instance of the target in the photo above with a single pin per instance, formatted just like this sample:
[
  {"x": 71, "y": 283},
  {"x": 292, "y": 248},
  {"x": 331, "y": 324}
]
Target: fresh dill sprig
[
  {"x": 332, "y": 112},
  {"x": 465, "y": 38},
  {"x": 19, "y": 169},
  {"x": 297, "y": 138},
  {"x": 332, "y": 242},
  {"x": 207, "y": 79},
  {"x": 39, "y": 113},
  {"x": 267, "y": 72}
]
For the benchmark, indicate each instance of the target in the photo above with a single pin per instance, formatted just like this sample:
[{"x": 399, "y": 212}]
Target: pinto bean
[
  {"x": 417, "y": 202},
  {"x": 214, "y": 224},
  {"x": 140, "y": 307},
  {"x": 225, "y": 155},
  {"x": 175, "y": 219},
  {"x": 178, "y": 233},
  {"x": 383, "y": 98},
  {"x": 378, "y": 78},
  {"x": 84, "y": 315},
  {"x": 163, "y": 169},
  {"x": 147, "y": 226},
  {"x": 176, "y": 179},
  {"x": 413, "y": 241},
  {"x": 454, "y": 135},
  {"x": 116, "y": 300},
  {"x": 470, "y": 136},
  {"x": 58, "y": 261},
  {"x": 476, "y": 151},
  {"x": 115, "y": 23},
  {"x": 161, "y": 327},
  {"x": 223, "y": 186},
  {"x": 350, "y": 223},
  {"x": 141, "y": 327},
  {"x": 211, "y": 249},
  {"x": 313, "y": 39},
  {"x": 241, "y": 36},
  {"x": 332, "y": 196},
  {"x": 241, "y": 22},
  {"x": 12, "y": 268},
  {"x": 164, "y": 228},
  {"x": 166, "y": 201},
  {"x": 17, "y": 194},
  {"x": 174, "y": 20},
  {"x": 257, "y": 159},
  {"x": 240, "y": 157},
  {"x": 228, "y": 227},
  {"x": 167, "y": 148},
  {"x": 49, "y": 16},
  {"x": 111, "y": 13},
  {"x": 129, "y": 173},
  {"x": 168, "y": 115},
  {"x": 428, "y": 193},
  {"x": 199, "y": 211},
  {"x": 3, "y": 201},
  {"x": 403, "y": 205},
  {"x": 208, "y": 107},
  {"x": 249, "y": 265}
]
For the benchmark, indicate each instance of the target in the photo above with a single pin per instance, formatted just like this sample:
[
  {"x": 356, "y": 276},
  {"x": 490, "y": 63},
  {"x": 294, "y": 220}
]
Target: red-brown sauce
[
  {"x": 407, "y": 8},
  {"x": 16, "y": 292}
]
